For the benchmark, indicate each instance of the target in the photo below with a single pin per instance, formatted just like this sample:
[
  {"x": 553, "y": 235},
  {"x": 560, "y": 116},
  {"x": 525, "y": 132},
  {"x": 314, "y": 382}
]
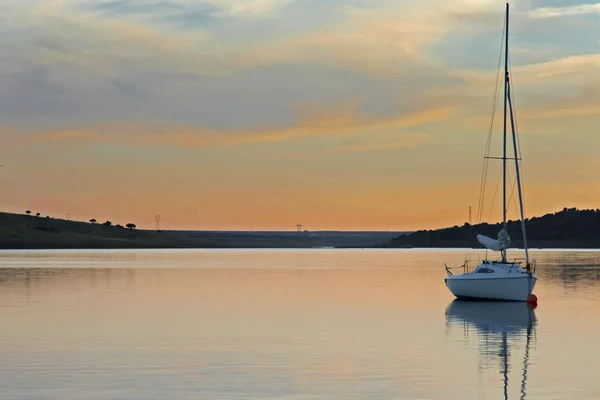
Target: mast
[
  {"x": 504, "y": 130},
  {"x": 516, "y": 155},
  {"x": 512, "y": 125},
  {"x": 526, "y": 357},
  {"x": 504, "y": 353}
]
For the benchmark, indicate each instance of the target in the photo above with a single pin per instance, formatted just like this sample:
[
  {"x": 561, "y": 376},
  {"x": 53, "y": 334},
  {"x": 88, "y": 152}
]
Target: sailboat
[{"x": 499, "y": 279}]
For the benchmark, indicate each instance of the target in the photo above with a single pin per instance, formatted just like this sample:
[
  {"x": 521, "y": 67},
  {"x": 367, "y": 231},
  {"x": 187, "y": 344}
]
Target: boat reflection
[{"x": 496, "y": 325}]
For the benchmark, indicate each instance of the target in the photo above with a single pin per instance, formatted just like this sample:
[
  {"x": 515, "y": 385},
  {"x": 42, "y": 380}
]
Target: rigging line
[
  {"x": 495, "y": 193},
  {"x": 516, "y": 121},
  {"x": 483, "y": 183},
  {"x": 515, "y": 203},
  {"x": 514, "y": 108},
  {"x": 487, "y": 149},
  {"x": 512, "y": 194}
]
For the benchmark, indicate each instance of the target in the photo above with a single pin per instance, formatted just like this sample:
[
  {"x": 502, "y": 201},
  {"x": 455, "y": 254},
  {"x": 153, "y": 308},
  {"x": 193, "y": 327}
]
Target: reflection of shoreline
[
  {"x": 46, "y": 279},
  {"x": 495, "y": 323},
  {"x": 569, "y": 274},
  {"x": 568, "y": 267}
]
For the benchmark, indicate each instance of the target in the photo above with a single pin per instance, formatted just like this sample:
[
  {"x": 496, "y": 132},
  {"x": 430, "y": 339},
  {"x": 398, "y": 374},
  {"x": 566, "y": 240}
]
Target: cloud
[
  {"x": 66, "y": 35},
  {"x": 575, "y": 68},
  {"x": 150, "y": 8},
  {"x": 405, "y": 141},
  {"x": 206, "y": 73},
  {"x": 126, "y": 88},
  {"x": 472, "y": 36},
  {"x": 312, "y": 122},
  {"x": 115, "y": 62},
  {"x": 548, "y": 96},
  {"x": 578, "y": 9},
  {"x": 251, "y": 7}
]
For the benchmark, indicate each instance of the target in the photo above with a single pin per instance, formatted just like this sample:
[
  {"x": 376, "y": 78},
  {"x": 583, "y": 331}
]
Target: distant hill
[
  {"x": 31, "y": 232},
  {"x": 569, "y": 228},
  {"x": 19, "y": 231}
]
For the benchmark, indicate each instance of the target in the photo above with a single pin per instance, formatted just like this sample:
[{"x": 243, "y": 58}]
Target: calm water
[{"x": 309, "y": 324}]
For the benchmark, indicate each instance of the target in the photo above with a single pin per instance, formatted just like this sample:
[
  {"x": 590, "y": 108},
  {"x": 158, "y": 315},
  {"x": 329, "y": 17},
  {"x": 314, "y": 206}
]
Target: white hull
[
  {"x": 516, "y": 288},
  {"x": 493, "y": 281}
]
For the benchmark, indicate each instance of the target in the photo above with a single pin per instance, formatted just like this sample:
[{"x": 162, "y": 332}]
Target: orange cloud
[
  {"x": 408, "y": 140},
  {"x": 312, "y": 121},
  {"x": 584, "y": 104}
]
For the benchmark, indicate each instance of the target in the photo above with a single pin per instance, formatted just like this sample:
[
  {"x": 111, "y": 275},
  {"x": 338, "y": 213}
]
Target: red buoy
[{"x": 532, "y": 299}]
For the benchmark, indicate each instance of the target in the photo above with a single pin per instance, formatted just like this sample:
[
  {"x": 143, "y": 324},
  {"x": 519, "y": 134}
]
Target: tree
[
  {"x": 93, "y": 221},
  {"x": 37, "y": 214},
  {"x": 130, "y": 226},
  {"x": 107, "y": 223},
  {"x": 28, "y": 212}
]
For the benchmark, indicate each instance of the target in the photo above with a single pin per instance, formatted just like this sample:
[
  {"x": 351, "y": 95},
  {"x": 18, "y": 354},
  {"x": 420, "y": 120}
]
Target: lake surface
[{"x": 289, "y": 324}]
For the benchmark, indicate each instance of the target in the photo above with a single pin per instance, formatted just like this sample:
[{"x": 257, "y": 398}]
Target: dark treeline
[{"x": 569, "y": 228}]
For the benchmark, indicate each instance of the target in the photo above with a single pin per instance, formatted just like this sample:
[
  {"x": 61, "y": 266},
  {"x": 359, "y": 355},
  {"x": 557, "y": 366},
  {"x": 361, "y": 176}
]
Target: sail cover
[{"x": 496, "y": 245}]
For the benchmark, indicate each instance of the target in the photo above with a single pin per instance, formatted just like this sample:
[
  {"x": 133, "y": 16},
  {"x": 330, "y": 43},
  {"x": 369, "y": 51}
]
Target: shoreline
[
  {"x": 567, "y": 229},
  {"x": 26, "y": 232},
  {"x": 129, "y": 247}
]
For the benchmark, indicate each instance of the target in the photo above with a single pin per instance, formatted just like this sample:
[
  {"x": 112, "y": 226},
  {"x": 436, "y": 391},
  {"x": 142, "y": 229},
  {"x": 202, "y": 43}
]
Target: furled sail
[{"x": 495, "y": 244}]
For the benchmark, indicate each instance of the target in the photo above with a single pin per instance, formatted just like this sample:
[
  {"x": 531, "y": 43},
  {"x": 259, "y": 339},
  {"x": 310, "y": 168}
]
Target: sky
[{"x": 264, "y": 114}]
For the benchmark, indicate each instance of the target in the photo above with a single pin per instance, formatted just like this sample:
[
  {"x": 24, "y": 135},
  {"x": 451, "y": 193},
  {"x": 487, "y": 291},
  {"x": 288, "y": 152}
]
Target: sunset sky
[{"x": 336, "y": 114}]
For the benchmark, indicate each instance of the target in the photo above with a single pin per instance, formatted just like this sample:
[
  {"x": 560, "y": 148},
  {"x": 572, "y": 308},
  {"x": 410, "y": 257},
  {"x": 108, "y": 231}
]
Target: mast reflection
[{"x": 496, "y": 324}]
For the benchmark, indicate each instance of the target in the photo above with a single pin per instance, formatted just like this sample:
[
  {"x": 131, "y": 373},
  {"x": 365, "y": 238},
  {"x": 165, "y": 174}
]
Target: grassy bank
[{"x": 30, "y": 232}]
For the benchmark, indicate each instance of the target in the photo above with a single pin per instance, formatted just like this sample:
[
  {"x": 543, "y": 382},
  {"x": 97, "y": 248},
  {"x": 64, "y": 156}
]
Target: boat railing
[
  {"x": 532, "y": 265},
  {"x": 465, "y": 268}
]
